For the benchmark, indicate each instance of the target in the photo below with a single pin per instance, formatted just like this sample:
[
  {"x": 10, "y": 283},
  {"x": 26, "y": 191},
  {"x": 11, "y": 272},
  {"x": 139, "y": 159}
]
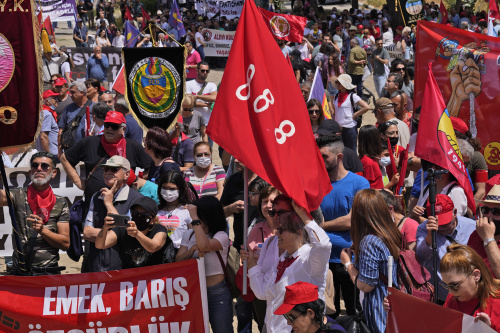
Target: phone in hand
[{"x": 120, "y": 220}]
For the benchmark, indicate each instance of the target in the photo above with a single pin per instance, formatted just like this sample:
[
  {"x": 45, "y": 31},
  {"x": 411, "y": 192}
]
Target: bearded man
[{"x": 42, "y": 218}]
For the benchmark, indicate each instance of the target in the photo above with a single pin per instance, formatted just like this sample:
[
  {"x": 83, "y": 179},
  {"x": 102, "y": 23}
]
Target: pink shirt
[
  {"x": 409, "y": 230},
  {"x": 193, "y": 58},
  {"x": 259, "y": 231}
]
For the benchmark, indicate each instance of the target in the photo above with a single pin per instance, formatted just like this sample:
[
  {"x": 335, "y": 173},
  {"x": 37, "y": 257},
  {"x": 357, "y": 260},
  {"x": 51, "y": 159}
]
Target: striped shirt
[
  {"x": 372, "y": 262},
  {"x": 206, "y": 186}
]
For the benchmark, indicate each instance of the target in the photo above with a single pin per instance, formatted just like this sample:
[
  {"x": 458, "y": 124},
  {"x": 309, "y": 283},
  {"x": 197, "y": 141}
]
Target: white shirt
[
  {"x": 457, "y": 195},
  {"x": 52, "y": 67},
  {"x": 388, "y": 38},
  {"x": 338, "y": 40},
  {"x": 198, "y": 36},
  {"x": 118, "y": 41},
  {"x": 343, "y": 113},
  {"x": 310, "y": 266},
  {"x": 404, "y": 133},
  {"x": 65, "y": 68},
  {"x": 413, "y": 143},
  {"x": 176, "y": 221},
  {"x": 212, "y": 263},
  {"x": 304, "y": 51},
  {"x": 192, "y": 87}
]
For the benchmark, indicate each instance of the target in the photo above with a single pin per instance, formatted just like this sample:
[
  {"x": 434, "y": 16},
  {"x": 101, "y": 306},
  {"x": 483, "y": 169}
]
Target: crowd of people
[{"x": 154, "y": 196}]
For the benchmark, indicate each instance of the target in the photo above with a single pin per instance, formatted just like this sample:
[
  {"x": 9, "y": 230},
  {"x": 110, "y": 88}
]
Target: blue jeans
[
  {"x": 201, "y": 52},
  {"x": 244, "y": 313},
  {"x": 379, "y": 81},
  {"x": 350, "y": 138},
  {"x": 220, "y": 308}
]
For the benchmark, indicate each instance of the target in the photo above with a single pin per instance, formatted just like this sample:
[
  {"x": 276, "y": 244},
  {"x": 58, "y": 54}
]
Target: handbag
[
  {"x": 356, "y": 323},
  {"x": 69, "y": 134}
]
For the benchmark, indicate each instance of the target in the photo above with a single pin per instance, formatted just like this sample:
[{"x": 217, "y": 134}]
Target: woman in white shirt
[
  {"x": 200, "y": 43},
  {"x": 305, "y": 49},
  {"x": 209, "y": 240},
  {"x": 101, "y": 38},
  {"x": 119, "y": 40}
]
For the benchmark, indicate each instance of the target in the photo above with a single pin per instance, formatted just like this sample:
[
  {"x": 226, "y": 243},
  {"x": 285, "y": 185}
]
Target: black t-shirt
[
  {"x": 132, "y": 254},
  {"x": 155, "y": 172},
  {"x": 351, "y": 161},
  {"x": 90, "y": 151},
  {"x": 233, "y": 191}
]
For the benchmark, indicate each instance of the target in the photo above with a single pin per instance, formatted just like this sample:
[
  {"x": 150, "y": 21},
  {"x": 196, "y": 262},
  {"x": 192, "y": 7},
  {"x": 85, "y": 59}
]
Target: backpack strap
[
  {"x": 401, "y": 222},
  {"x": 452, "y": 186},
  {"x": 226, "y": 276}
]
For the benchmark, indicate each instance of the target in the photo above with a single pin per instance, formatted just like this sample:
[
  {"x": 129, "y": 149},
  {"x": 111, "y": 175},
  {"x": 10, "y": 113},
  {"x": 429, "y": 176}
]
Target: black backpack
[{"x": 69, "y": 133}]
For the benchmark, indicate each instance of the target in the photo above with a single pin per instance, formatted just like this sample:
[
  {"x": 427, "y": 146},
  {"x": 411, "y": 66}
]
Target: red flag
[
  {"x": 145, "y": 19},
  {"x": 253, "y": 119},
  {"x": 436, "y": 142},
  {"x": 404, "y": 165},
  {"x": 444, "y": 13},
  {"x": 286, "y": 27},
  {"x": 128, "y": 16},
  {"x": 47, "y": 25},
  {"x": 494, "y": 9},
  {"x": 39, "y": 17},
  {"x": 119, "y": 84}
]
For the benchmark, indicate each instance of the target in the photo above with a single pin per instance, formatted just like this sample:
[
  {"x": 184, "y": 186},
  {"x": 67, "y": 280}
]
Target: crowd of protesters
[{"x": 300, "y": 264}]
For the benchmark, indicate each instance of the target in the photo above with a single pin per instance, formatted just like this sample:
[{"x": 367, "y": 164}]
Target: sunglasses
[
  {"x": 45, "y": 166},
  {"x": 188, "y": 109},
  {"x": 313, "y": 111},
  {"x": 487, "y": 210},
  {"x": 290, "y": 318},
  {"x": 454, "y": 287},
  {"x": 113, "y": 126},
  {"x": 205, "y": 70},
  {"x": 112, "y": 169},
  {"x": 401, "y": 69},
  {"x": 145, "y": 215},
  {"x": 273, "y": 212}
]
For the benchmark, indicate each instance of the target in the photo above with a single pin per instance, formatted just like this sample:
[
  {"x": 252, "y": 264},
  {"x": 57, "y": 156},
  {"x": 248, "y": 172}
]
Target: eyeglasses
[
  {"x": 188, "y": 109},
  {"x": 45, "y": 166},
  {"x": 273, "y": 212},
  {"x": 313, "y": 111},
  {"x": 454, "y": 287},
  {"x": 487, "y": 210},
  {"x": 290, "y": 318},
  {"x": 113, "y": 126},
  {"x": 112, "y": 169},
  {"x": 402, "y": 69},
  {"x": 205, "y": 70}
]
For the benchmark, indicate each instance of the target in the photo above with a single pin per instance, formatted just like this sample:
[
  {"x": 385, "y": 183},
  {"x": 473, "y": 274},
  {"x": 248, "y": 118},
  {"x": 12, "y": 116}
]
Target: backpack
[
  {"x": 69, "y": 133},
  {"x": 355, "y": 108}
]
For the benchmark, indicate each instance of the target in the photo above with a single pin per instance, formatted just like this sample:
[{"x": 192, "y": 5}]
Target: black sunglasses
[
  {"x": 273, "y": 212},
  {"x": 487, "y": 210},
  {"x": 290, "y": 318},
  {"x": 401, "y": 68},
  {"x": 205, "y": 70},
  {"x": 313, "y": 111},
  {"x": 112, "y": 169},
  {"x": 145, "y": 215},
  {"x": 45, "y": 166},
  {"x": 188, "y": 109},
  {"x": 113, "y": 126}
]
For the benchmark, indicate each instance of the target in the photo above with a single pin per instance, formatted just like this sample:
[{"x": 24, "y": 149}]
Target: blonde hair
[
  {"x": 407, "y": 29},
  {"x": 189, "y": 101}
]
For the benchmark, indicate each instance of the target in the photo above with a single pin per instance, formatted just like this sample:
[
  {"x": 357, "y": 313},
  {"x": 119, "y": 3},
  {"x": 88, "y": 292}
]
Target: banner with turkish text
[
  {"x": 20, "y": 80},
  {"x": 58, "y": 10},
  {"x": 285, "y": 27},
  {"x": 466, "y": 67},
  {"x": 260, "y": 115},
  {"x": 229, "y": 8},
  {"x": 217, "y": 42},
  {"x": 162, "y": 298}
]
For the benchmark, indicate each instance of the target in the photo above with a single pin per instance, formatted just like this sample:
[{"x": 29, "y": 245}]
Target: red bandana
[
  {"x": 183, "y": 137},
  {"x": 41, "y": 202},
  {"x": 342, "y": 97},
  {"x": 282, "y": 265},
  {"x": 113, "y": 149}
]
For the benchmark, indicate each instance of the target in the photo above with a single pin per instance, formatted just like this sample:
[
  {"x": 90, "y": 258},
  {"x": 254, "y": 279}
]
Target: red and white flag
[
  {"x": 119, "y": 84},
  {"x": 410, "y": 314},
  {"x": 260, "y": 115},
  {"x": 286, "y": 27}
]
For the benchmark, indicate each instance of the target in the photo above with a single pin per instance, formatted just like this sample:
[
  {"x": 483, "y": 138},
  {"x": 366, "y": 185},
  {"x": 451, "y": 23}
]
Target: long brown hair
[
  {"x": 371, "y": 216},
  {"x": 312, "y": 102},
  {"x": 462, "y": 259}
]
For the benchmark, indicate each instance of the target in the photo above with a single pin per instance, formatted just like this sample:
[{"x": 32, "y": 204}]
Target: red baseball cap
[
  {"x": 298, "y": 293},
  {"x": 115, "y": 117},
  {"x": 60, "y": 81},
  {"x": 459, "y": 125},
  {"x": 338, "y": 28},
  {"x": 49, "y": 93},
  {"x": 399, "y": 28},
  {"x": 372, "y": 21},
  {"x": 360, "y": 26},
  {"x": 444, "y": 209}
]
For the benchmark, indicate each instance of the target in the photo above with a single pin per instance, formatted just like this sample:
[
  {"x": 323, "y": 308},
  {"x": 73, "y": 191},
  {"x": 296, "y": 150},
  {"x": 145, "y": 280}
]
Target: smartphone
[{"x": 120, "y": 220}]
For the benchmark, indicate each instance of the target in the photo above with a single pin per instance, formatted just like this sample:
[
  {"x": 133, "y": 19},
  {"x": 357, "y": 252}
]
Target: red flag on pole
[
  {"x": 286, "y": 27},
  {"x": 145, "y": 18},
  {"x": 444, "y": 13},
  {"x": 119, "y": 84},
  {"x": 494, "y": 9},
  {"x": 436, "y": 142},
  {"x": 39, "y": 17},
  {"x": 47, "y": 25},
  {"x": 260, "y": 115},
  {"x": 128, "y": 16}
]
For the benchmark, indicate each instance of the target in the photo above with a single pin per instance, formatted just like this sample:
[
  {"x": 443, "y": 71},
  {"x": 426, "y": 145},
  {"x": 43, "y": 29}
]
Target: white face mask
[
  {"x": 385, "y": 161},
  {"x": 170, "y": 196},
  {"x": 203, "y": 162}
]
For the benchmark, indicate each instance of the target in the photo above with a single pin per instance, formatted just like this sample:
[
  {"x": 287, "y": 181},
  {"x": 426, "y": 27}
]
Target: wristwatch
[
  {"x": 347, "y": 264},
  {"x": 487, "y": 241},
  {"x": 195, "y": 222}
]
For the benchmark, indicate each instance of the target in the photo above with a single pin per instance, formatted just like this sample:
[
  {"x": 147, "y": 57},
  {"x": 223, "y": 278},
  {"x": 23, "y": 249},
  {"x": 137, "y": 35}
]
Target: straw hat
[
  {"x": 346, "y": 81},
  {"x": 493, "y": 196}
]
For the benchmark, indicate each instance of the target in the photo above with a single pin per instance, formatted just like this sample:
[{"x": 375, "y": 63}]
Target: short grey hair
[
  {"x": 122, "y": 104},
  {"x": 80, "y": 86},
  {"x": 306, "y": 84},
  {"x": 97, "y": 47},
  {"x": 465, "y": 148},
  {"x": 100, "y": 110},
  {"x": 464, "y": 25},
  {"x": 355, "y": 41}
]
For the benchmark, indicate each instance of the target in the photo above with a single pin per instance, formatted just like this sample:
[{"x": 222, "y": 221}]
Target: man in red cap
[
  {"x": 450, "y": 228},
  {"x": 61, "y": 87},
  {"x": 374, "y": 29},
  {"x": 50, "y": 102}
]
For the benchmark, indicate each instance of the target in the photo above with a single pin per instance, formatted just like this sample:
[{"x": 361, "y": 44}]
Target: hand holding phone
[{"x": 120, "y": 220}]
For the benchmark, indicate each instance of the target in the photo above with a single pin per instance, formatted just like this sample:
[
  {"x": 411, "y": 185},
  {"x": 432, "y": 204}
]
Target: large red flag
[
  {"x": 128, "y": 16},
  {"x": 443, "y": 12},
  {"x": 145, "y": 18},
  {"x": 436, "y": 142},
  {"x": 47, "y": 25},
  {"x": 286, "y": 27},
  {"x": 260, "y": 115},
  {"x": 493, "y": 7}
]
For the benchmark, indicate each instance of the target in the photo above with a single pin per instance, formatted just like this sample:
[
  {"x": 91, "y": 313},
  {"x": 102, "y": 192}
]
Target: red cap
[
  {"x": 338, "y": 28},
  {"x": 60, "y": 81},
  {"x": 360, "y": 26},
  {"x": 298, "y": 293},
  {"x": 131, "y": 178},
  {"x": 399, "y": 28},
  {"x": 49, "y": 93},
  {"x": 459, "y": 125},
  {"x": 444, "y": 209},
  {"x": 372, "y": 22},
  {"x": 115, "y": 117},
  {"x": 180, "y": 119}
]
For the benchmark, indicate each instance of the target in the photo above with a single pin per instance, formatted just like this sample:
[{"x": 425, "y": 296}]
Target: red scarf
[
  {"x": 41, "y": 202},
  {"x": 282, "y": 265},
  {"x": 342, "y": 97},
  {"x": 183, "y": 137},
  {"x": 113, "y": 149}
]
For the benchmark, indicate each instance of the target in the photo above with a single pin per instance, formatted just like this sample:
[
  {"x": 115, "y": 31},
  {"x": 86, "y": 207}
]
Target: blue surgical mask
[{"x": 385, "y": 161}]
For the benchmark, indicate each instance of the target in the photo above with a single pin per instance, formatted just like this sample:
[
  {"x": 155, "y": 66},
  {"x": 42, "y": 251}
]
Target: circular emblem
[
  {"x": 207, "y": 35},
  {"x": 8, "y": 61},
  {"x": 8, "y": 115},
  {"x": 155, "y": 83},
  {"x": 43, "y": 213},
  {"x": 280, "y": 26},
  {"x": 492, "y": 153},
  {"x": 413, "y": 7}
]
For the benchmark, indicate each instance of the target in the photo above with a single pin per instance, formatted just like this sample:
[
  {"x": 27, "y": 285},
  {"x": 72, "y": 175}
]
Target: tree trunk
[
  {"x": 457, "y": 6},
  {"x": 355, "y": 4}
]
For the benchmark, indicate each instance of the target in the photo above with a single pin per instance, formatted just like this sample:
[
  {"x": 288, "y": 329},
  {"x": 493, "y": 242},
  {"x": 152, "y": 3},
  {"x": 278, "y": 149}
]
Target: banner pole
[{"x": 245, "y": 227}]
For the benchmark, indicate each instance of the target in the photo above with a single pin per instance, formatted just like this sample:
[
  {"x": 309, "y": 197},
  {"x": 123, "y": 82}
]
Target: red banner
[
  {"x": 466, "y": 67},
  {"x": 163, "y": 298},
  {"x": 286, "y": 27},
  {"x": 260, "y": 116},
  {"x": 20, "y": 95}
]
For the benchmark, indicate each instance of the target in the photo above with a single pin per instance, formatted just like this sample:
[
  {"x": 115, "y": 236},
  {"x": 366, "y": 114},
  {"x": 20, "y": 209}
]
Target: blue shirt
[
  {"x": 338, "y": 203},
  {"x": 150, "y": 190},
  {"x": 97, "y": 68},
  {"x": 465, "y": 227},
  {"x": 48, "y": 125},
  {"x": 67, "y": 117},
  {"x": 373, "y": 254},
  {"x": 133, "y": 131}
]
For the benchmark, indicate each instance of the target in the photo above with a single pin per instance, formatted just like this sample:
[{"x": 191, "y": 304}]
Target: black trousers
[{"x": 343, "y": 285}]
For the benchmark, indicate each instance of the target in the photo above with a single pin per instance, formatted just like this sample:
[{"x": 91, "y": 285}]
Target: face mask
[
  {"x": 170, "y": 196},
  {"x": 203, "y": 162},
  {"x": 52, "y": 107},
  {"x": 141, "y": 222},
  {"x": 393, "y": 141},
  {"x": 384, "y": 161}
]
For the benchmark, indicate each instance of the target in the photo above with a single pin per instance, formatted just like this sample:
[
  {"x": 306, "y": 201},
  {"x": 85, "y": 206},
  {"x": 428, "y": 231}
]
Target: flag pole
[{"x": 245, "y": 226}]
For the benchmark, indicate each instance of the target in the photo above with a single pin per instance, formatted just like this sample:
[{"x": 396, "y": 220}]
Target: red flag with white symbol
[
  {"x": 286, "y": 27},
  {"x": 260, "y": 115}
]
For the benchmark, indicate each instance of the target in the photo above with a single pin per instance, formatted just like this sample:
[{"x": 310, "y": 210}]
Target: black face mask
[
  {"x": 141, "y": 221},
  {"x": 414, "y": 125},
  {"x": 393, "y": 141}
]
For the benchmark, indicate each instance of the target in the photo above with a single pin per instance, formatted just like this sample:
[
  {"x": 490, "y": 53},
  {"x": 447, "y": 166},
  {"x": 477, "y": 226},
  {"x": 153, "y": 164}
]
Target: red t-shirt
[
  {"x": 492, "y": 310},
  {"x": 409, "y": 230},
  {"x": 476, "y": 243},
  {"x": 371, "y": 171}
]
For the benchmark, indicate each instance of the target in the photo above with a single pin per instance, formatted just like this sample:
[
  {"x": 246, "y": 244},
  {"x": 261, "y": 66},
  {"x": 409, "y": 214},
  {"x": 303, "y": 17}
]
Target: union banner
[
  {"x": 155, "y": 83},
  {"x": 466, "y": 67}
]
